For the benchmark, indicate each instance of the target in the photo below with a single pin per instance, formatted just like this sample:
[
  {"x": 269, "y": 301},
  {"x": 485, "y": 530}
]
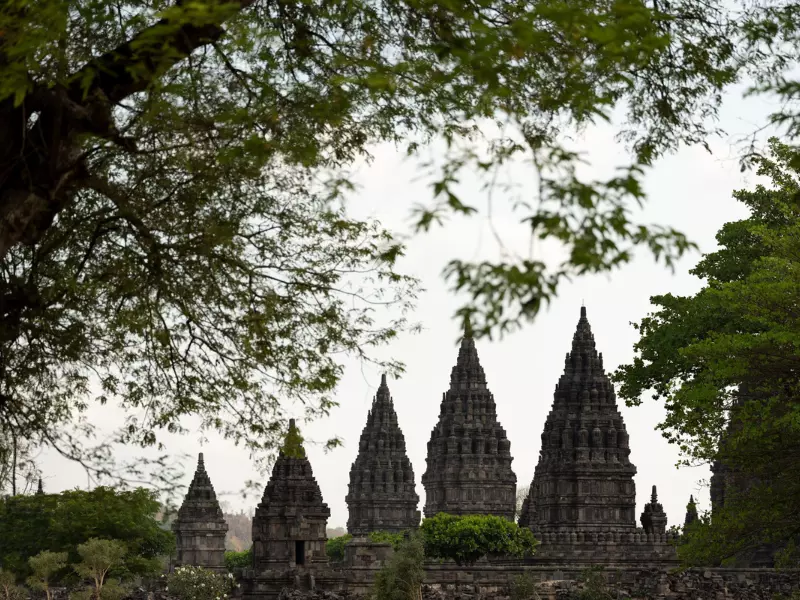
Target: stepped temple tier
[
  {"x": 200, "y": 527},
  {"x": 469, "y": 455},
  {"x": 381, "y": 494},
  {"x": 289, "y": 524}
]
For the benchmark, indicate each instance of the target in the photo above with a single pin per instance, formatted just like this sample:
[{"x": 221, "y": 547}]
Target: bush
[
  {"x": 334, "y": 547},
  {"x": 401, "y": 578},
  {"x": 382, "y": 537},
  {"x": 466, "y": 539},
  {"x": 239, "y": 560},
  {"x": 196, "y": 583},
  {"x": 524, "y": 588}
]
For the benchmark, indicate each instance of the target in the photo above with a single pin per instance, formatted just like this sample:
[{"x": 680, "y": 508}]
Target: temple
[
  {"x": 200, "y": 527},
  {"x": 381, "y": 494},
  {"x": 584, "y": 477},
  {"x": 654, "y": 519},
  {"x": 469, "y": 455}
]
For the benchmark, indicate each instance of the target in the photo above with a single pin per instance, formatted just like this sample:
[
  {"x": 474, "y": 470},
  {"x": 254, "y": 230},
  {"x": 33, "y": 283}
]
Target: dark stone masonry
[
  {"x": 381, "y": 495},
  {"x": 200, "y": 527},
  {"x": 581, "y": 504},
  {"x": 469, "y": 455}
]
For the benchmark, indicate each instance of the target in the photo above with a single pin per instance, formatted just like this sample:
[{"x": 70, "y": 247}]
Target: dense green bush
[
  {"x": 385, "y": 536},
  {"x": 466, "y": 539},
  {"x": 334, "y": 547},
  {"x": 239, "y": 560},
  {"x": 62, "y": 522}
]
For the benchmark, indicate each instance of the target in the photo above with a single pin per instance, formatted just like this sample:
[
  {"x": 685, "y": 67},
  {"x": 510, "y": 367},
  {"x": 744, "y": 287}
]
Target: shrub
[
  {"x": 466, "y": 539},
  {"x": 44, "y": 566},
  {"x": 524, "y": 588},
  {"x": 196, "y": 583},
  {"x": 239, "y": 560},
  {"x": 98, "y": 559},
  {"x": 401, "y": 578},
  {"x": 395, "y": 539},
  {"x": 334, "y": 547}
]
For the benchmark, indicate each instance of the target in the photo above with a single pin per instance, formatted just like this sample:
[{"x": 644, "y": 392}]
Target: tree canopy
[
  {"x": 171, "y": 234},
  {"x": 725, "y": 362},
  {"x": 62, "y": 522}
]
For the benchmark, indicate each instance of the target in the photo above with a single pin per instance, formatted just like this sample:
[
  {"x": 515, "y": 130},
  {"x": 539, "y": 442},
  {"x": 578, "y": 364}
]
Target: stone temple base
[{"x": 269, "y": 584}]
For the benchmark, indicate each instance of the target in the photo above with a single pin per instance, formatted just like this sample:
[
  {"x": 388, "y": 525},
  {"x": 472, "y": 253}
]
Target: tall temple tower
[
  {"x": 289, "y": 524},
  {"x": 200, "y": 527},
  {"x": 584, "y": 478},
  {"x": 381, "y": 494},
  {"x": 469, "y": 455}
]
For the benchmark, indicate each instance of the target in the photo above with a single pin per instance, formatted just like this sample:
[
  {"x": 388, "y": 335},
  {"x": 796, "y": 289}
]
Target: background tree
[
  {"x": 9, "y": 590},
  {"x": 169, "y": 220},
  {"x": 45, "y": 565},
  {"x": 98, "y": 559},
  {"x": 726, "y": 361},
  {"x": 61, "y": 522},
  {"x": 466, "y": 539}
]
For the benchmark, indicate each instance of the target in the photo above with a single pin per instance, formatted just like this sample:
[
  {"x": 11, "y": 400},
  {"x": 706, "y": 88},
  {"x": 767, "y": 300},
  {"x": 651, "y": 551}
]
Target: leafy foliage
[
  {"x": 169, "y": 212},
  {"x": 44, "y": 566},
  {"x": 395, "y": 539},
  {"x": 466, "y": 539},
  {"x": 401, "y": 578},
  {"x": 9, "y": 590},
  {"x": 61, "y": 522},
  {"x": 196, "y": 583},
  {"x": 239, "y": 560},
  {"x": 523, "y": 587},
  {"x": 334, "y": 547},
  {"x": 725, "y": 362},
  {"x": 594, "y": 586}
]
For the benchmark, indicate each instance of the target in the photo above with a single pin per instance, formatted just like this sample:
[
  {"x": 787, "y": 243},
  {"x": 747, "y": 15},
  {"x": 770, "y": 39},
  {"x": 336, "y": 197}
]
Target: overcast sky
[{"x": 690, "y": 191}]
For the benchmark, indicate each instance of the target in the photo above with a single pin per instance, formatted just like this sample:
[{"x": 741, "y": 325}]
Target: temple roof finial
[
  {"x": 467, "y": 326},
  {"x": 583, "y": 311},
  {"x": 654, "y": 496},
  {"x": 40, "y": 489},
  {"x": 383, "y": 378}
]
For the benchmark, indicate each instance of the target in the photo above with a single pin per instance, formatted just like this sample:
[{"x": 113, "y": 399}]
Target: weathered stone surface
[
  {"x": 381, "y": 495},
  {"x": 200, "y": 527},
  {"x": 583, "y": 481},
  {"x": 654, "y": 519},
  {"x": 289, "y": 523},
  {"x": 469, "y": 455}
]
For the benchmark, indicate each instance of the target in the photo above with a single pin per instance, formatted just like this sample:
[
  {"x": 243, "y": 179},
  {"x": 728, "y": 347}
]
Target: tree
[
  {"x": 401, "y": 578},
  {"x": 9, "y": 588},
  {"x": 169, "y": 226},
  {"x": 466, "y": 539},
  {"x": 44, "y": 566},
  {"x": 725, "y": 361},
  {"x": 61, "y": 522},
  {"x": 98, "y": 558},
  {"x": 334, "y": 547},
  {"x": 522, "y": 493}
]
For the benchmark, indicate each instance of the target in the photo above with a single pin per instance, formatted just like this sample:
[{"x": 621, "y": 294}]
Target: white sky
[{"x": 690, "y": 191}]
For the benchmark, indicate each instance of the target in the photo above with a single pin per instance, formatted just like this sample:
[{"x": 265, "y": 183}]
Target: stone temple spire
[
  {"x": 40, "y": 489},
  {"x": 654, "y": 519},
  {"x": 381, "y": 494},
  {"x": 469, "y": 455},
  {"x": 200, "y": 527},
  {"x": 289, "y": 524},
  {"x": 584, "y": 478},
  {"x": 691, "y": 512}
]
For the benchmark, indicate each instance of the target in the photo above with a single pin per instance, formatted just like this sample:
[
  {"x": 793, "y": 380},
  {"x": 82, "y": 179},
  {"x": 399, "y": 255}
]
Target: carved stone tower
[
  {"x": 584, "y": 478},
  {"x": 469, "y": 455},
  {"x": 691, "y": 512},
  {"x": 654, "y": 519},
  {"x": 381, "y": 494},
  {"x": 200, "y": 527},
  {"x": 289, "y": 524}
]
